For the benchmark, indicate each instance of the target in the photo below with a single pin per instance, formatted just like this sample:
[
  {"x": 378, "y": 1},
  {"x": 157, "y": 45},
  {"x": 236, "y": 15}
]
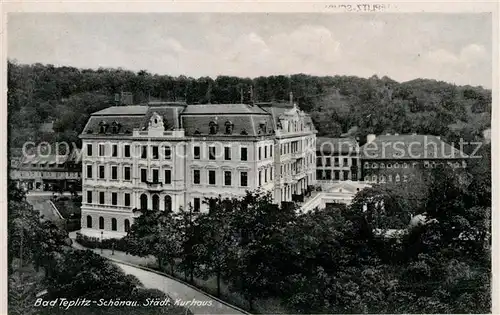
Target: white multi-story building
[{"x": 168, "y": 155}]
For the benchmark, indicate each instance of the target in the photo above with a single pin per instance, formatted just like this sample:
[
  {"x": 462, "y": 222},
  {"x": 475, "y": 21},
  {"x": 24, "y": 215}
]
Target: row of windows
[
  {"x": 335, "y": 175},
  {"x": 327, "y": 161},
  {"x": 212, "y": 153},
  {"x": 263, "y": 176},
  {"x": 153, "y": 151},
  {"x": 389, "y": 178},
  {"x": 114, "y": 198},
  {"x": 227, "y": 178},
  {"x": 126, "y": 174},
  {"x": 367, "y": 165},
  {"x": 266, "y": 150},
  {"x": 114, "y": 225},
  {"x": 144, "y": 204}
]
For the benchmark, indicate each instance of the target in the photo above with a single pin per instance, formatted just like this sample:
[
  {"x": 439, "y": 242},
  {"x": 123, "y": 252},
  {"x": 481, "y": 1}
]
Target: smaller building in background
[
  {"x": 337, "y": 159},
  {"x": 402, "y": 158},
  {"x": 47, "y": 171}
]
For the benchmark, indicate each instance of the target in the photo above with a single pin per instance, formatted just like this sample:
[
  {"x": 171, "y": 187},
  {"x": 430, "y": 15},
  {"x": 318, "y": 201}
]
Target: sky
[{"x": 455, "y": 48}]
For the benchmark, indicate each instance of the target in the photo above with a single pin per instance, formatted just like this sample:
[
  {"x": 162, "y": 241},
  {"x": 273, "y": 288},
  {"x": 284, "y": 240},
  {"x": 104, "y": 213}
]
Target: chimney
[{"x": 370, "y": 138}]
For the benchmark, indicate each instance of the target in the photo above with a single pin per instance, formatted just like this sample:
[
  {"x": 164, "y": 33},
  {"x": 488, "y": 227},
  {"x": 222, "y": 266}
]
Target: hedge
[{"x": 95, "y": 242}]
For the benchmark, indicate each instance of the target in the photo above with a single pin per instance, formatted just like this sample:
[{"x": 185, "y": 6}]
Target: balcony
[
  {"x": 298, "y": 154},
  {"x": 154, "y": 186}
]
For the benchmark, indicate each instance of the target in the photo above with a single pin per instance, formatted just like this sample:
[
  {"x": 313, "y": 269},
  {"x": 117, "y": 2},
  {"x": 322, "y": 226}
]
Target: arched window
[
  {"x": 213, "y": 128},
  {"x": 114, "y": 127},
  {"x": 374, "y": 165},
  {"x": 244, "y": 132},
  {"x": 89, "y": 222},
  {"x": 229, "y": 127},
  {"x": 367, "y": 165},
  {"x": 126, "y": 225},
  {"x": 103, "y": 126},
  {"x": 101, "y": 223},
  {"x": 168, "y": 203},
  {"x": 156, "y": 202},
  {"x": 396, "y": 165},
  {"x": 113, "y": 224},
  {"x": 397, "y": 178},
  {"x": 367, "y": 178},
  {"x": 374, "y": 178},
  {"x": 381, "y": 178},
  {"x": 405, "y": 165},
  {"x": 262, "y": 127},
  {"x": 144, "y": 202},
  {"x": 382, "y": 165},
  {"x": 389, "y": 165}
]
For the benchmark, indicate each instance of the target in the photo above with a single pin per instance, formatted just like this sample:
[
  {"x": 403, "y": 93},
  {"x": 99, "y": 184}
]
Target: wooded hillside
[{"x": 42, "y": 93}]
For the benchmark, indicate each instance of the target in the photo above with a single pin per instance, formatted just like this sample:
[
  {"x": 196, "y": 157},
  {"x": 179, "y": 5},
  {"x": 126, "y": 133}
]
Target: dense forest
[{"x": 338, "y": 104}]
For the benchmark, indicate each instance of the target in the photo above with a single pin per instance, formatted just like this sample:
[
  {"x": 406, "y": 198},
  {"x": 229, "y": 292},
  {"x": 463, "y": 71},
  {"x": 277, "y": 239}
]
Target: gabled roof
[{"x": 410, "y": 147}]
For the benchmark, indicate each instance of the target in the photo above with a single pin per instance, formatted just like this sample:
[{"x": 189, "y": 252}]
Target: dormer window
[
  {"x": 115, "y": 127},
  {"x": 244, "y": 132},
  {"x": 229, "y": 127},
  {"x": 262, "y": 127},
  {"x": 103, "y": 127},
  {"x": 213, "y": 128}
]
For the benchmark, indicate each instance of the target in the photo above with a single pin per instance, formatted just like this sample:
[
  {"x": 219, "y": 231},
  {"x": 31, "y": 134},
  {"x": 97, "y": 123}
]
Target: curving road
[{"x": 179, "y": 291}]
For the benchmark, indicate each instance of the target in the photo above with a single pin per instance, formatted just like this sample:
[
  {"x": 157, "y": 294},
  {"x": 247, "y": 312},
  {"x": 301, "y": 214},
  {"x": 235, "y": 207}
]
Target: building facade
[
  {"x": 337, "y": 159},
  {"x": 167, "y": 156},
  {"x": 403, "y": 158},
  {"x": 47, "y": 171}
]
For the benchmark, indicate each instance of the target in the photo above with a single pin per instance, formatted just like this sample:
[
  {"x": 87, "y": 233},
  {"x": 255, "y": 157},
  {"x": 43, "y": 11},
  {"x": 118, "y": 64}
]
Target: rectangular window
[
  {"x": 319, "y": 161},
  {"x": 271, "y": 150},
  {"x": 337, "y": 161},
  {"x": 244, "y": 179},
  {"x": 89, "y": 149},
  {"x": 211, "y": 177},
  {"x": 265, "y": 152},
  {"x": 328, "y": 162},
  {"x": 196, "y": 176},
  {"x": 336, "y": 175},
  {"x": 101, "y": 197},
  {"x": 168, "y": 177},
  {"x": 101, "y": 171},
  {"x": 101, "y": 150},
  {"x": 114, "y": 199},
  {"x": 126, "y": 173},
  {"x": 265, "y": 175},
  {"x": 260, "y": 178},
  {"x": 196, "y": 204},
  {"x": 168, "y": 153},
  {"x": 89, "y": 197},
  {"x": 244, "y": 154},
  {"x": 227, "y": 178},
  {"x": 156, "y": 176},
  {"x": 196, "y": 152},
  {"x": 89, "y": 171},
  {"x": 155, "y": 152},
  {"x": 227, "y": 153},
  {"x": 114, "y": 150},
  {"x": 127, "y": 200},
  {"x": 144, "y": 175},
  {"x": 114, "y": 172},
  {"x": 271, "y": 173},
  {"x": 346, "y": 161},
  {"x": 126, "y": 150},
  {"x": 211, "y": 153},
  {"x": 260, "y": 153},
  {"x": 144, "y": 153}
]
